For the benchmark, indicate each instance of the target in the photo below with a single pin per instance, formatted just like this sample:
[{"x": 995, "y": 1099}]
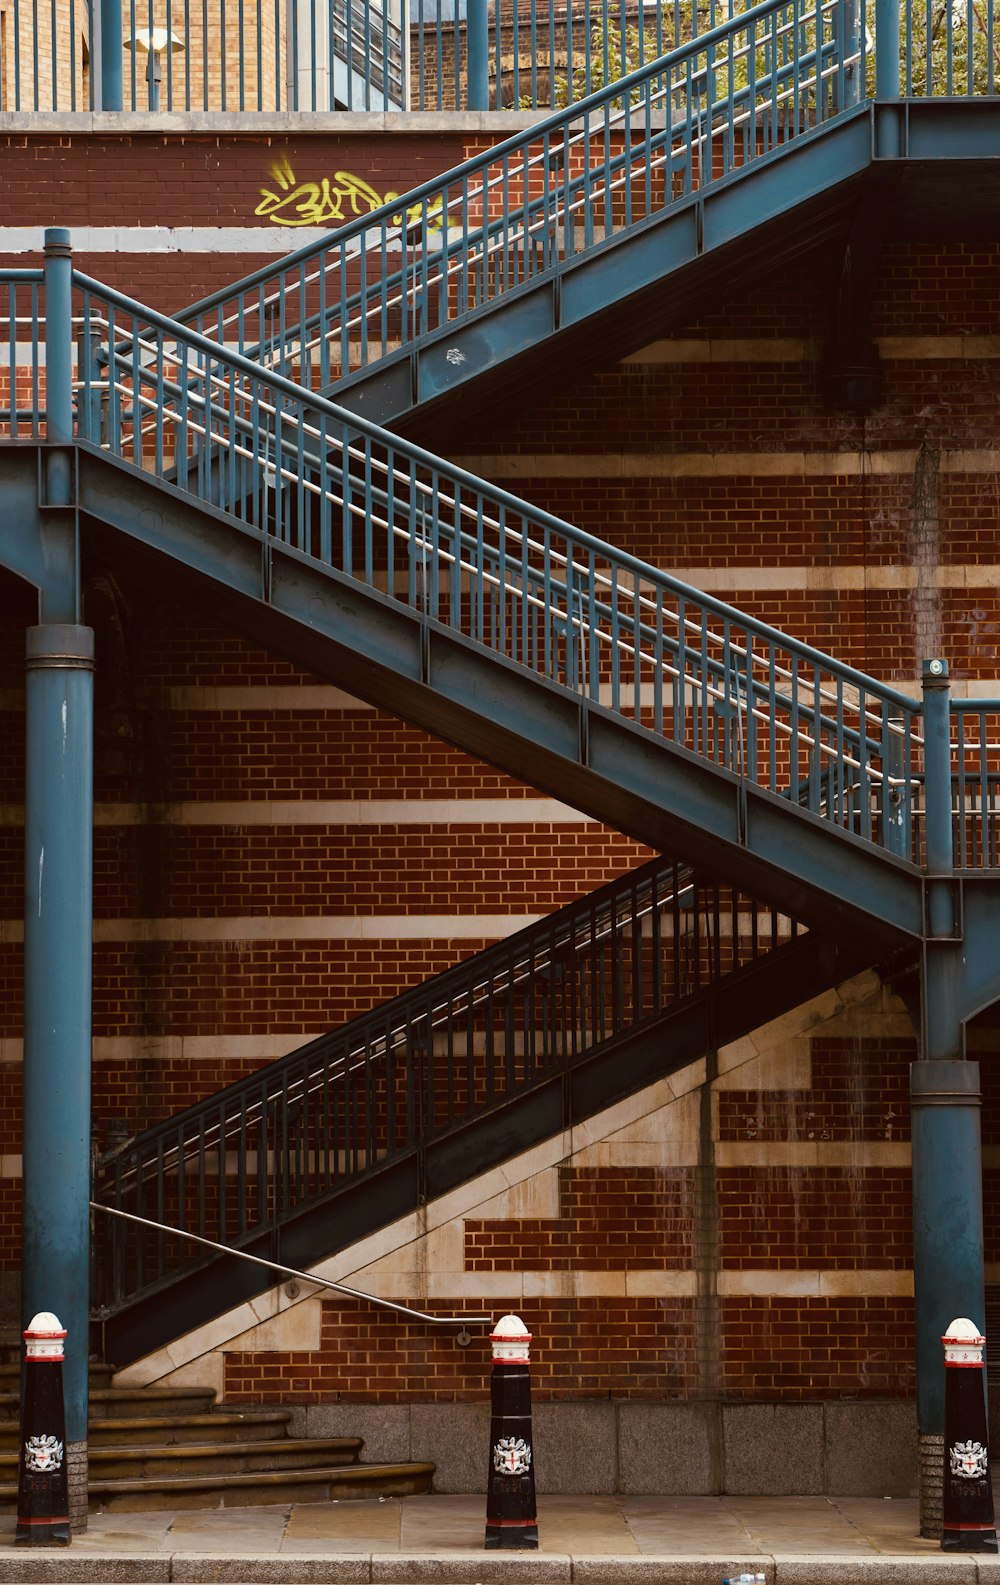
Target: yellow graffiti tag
[{"x": 330, "y": 201}]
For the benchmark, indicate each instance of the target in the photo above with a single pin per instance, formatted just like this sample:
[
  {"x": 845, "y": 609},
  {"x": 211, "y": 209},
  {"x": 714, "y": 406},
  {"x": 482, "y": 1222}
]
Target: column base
[
  {"x": 511, "y": 1537},
  {"x": 76, "y": 1481},
  {"x": 931, "y": 1486}
]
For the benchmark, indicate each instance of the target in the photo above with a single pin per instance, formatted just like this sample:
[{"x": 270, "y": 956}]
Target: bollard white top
[
  {"x": 43, "y": 1337},
  {"x": 963, "y": 1343},
  {"x": 511, "y": 1341}
]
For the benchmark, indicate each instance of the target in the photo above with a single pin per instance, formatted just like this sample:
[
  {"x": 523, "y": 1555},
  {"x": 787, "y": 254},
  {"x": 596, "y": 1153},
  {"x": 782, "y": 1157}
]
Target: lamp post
[{"x": 153, "y": 43}]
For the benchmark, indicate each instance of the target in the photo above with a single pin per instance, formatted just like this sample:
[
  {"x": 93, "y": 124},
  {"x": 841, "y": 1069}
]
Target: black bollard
[
  {"x": 510, "y": 1499},
  {"x": 42, "y": 1487},
  {"x": 969, "y": 1524}
]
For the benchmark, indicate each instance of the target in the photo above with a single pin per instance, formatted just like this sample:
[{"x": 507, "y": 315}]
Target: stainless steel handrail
[{"x": 292, "y": 1271}]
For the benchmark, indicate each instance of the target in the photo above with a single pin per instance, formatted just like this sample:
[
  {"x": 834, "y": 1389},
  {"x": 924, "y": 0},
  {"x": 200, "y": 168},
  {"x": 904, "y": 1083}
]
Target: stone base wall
[{"x": 836, "y": 1449}]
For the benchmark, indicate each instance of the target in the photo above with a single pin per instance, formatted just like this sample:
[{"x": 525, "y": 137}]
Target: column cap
[
  {"x": 945, "y": 1081},
  {"x": 59, "y": 644}
]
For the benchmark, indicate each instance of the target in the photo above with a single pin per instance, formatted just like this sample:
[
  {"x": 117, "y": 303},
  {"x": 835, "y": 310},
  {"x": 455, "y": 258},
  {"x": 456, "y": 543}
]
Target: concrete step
[
  {"x": 250, "y": 1425},
  {"x": 229, "y": 1425},
  {"x": 10, "y": 1374},
  {"x": 181, "y": 1460},
  {"x": 260, "y": 1487},
  {"x": 119, "y": 1403}
]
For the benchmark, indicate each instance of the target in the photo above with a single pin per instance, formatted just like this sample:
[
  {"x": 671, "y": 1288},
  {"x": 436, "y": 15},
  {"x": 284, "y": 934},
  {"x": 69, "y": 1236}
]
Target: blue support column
[
  {"x": 58, "y": 826},
  {"x": 477, "y": 43},
  {"x": 948, "y": 1274}
]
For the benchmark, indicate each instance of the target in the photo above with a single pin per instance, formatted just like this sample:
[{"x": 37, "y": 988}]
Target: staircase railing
[
  {"x": 678, "y": 126},
  {"x": 301, "y": 473},
  {"x": 421, "y": 1067},
  {"x": 530, "y": 589},
  {"x": 326, "y": 1284}
]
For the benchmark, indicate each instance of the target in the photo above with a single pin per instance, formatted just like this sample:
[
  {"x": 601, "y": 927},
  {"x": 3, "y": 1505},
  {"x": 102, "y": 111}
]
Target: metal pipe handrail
[{"x": 293, "y": 1271}]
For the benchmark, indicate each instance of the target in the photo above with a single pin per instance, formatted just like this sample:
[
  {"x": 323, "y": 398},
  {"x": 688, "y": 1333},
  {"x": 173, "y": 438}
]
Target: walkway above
[{"x": 584, "y": 1540}]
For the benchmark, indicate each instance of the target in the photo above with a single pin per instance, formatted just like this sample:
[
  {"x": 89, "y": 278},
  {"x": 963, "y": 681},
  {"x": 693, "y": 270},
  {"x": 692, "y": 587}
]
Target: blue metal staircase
[
  {"x": 365, "y": 1124},
  {"x": 607, "y": 222},
  {"x": 611, "y": 685},
  {"x": 595, "y": 217},
  {"x": 601, "y": 680}
]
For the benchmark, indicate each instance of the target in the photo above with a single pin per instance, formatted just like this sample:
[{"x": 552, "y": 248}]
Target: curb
[{"x": 58, "y": 1566}]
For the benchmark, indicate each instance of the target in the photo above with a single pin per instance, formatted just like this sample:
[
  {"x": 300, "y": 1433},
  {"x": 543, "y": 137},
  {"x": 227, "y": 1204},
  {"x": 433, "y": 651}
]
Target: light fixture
[{"x": 153, "y": 42}]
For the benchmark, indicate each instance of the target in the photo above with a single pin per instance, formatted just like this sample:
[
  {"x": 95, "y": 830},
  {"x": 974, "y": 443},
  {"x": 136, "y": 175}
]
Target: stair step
[
  {"x": 248, "y": 1425},
  {"x": 137, "y": 1402},
  {"x": 129, "y": 1402},
  {"x": 208, "y": 1459},
  {"x": 170, "y": 1430},
  {"x": 10, "y": 1374},
  {"x": 260, "y": 1487},
  {"x": 254, "y": 1489}
]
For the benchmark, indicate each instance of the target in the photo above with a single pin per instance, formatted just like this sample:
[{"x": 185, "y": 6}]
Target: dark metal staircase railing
[{"x": 397, "y": 1082}]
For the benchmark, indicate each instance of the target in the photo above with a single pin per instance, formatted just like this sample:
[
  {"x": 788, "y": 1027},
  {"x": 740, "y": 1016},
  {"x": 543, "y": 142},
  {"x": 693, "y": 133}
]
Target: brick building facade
[{"x": 273, "y": 857}]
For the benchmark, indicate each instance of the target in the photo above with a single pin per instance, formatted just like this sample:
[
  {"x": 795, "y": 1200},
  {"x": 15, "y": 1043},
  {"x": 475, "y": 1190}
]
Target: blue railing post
[
  {"x": 477, "y": 45},
  {"x": 109, "y": 31},
  {"x": 938, "y": 831},
  {"x": 897, "y": 813},
  {"x": 854, "y": 70},
  {"x": 887, "y": 49},
  {"x": 948, "y": 1273},
  {"x": 58, "y": 363},
  {"x": 888, "y": 126}
]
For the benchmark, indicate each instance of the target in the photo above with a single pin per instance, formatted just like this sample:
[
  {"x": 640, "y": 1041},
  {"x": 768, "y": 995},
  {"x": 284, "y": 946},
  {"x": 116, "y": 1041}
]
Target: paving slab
[{"x": 438, "y": 1540}]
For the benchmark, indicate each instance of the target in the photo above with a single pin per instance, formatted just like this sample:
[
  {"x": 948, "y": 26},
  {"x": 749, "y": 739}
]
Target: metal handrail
[
  {"x": 707, "y": 120},
  {"x": 293, "y": 1271}
]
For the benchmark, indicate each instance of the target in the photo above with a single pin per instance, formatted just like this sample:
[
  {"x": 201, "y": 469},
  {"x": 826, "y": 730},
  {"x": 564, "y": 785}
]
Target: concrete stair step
[
  {"x": 260, "y": 1487},
  {"x": 230, "y": 1425},
  {"x": 181, "y": 1460},
  {"x": 10, "y": 1374},
  {"x": 168, "y": 1430},
  {"x": 119, "y": 1403},
  {"x": 248, "y": 1490}
]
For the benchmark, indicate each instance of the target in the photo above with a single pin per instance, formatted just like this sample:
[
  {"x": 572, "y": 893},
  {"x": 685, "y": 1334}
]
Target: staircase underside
[
  {"x": 792, "y": 974},
  {"x": 665, "y": 270}
]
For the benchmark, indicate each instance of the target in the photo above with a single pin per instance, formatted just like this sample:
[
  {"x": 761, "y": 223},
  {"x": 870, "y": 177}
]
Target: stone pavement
[{"x": 438, "y": 1540}]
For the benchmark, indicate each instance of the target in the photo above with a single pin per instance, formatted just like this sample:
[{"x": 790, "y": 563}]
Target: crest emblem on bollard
[
  {"x": 512, "y": 1455},
  {"x": 969, "y": 1460},
  {"x": 43, "y": 1454}
]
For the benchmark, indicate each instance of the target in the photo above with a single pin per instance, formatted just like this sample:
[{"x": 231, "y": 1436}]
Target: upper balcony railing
[{"x": 302, "y": 56}]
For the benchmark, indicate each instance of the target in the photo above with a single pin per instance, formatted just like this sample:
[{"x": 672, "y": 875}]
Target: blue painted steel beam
[
  {"x": 536, "y": 730},
  {"x": 57, "y": 993}
]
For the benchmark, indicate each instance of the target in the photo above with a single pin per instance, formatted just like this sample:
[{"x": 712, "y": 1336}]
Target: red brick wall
[{"x": 694, "y": 463}]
